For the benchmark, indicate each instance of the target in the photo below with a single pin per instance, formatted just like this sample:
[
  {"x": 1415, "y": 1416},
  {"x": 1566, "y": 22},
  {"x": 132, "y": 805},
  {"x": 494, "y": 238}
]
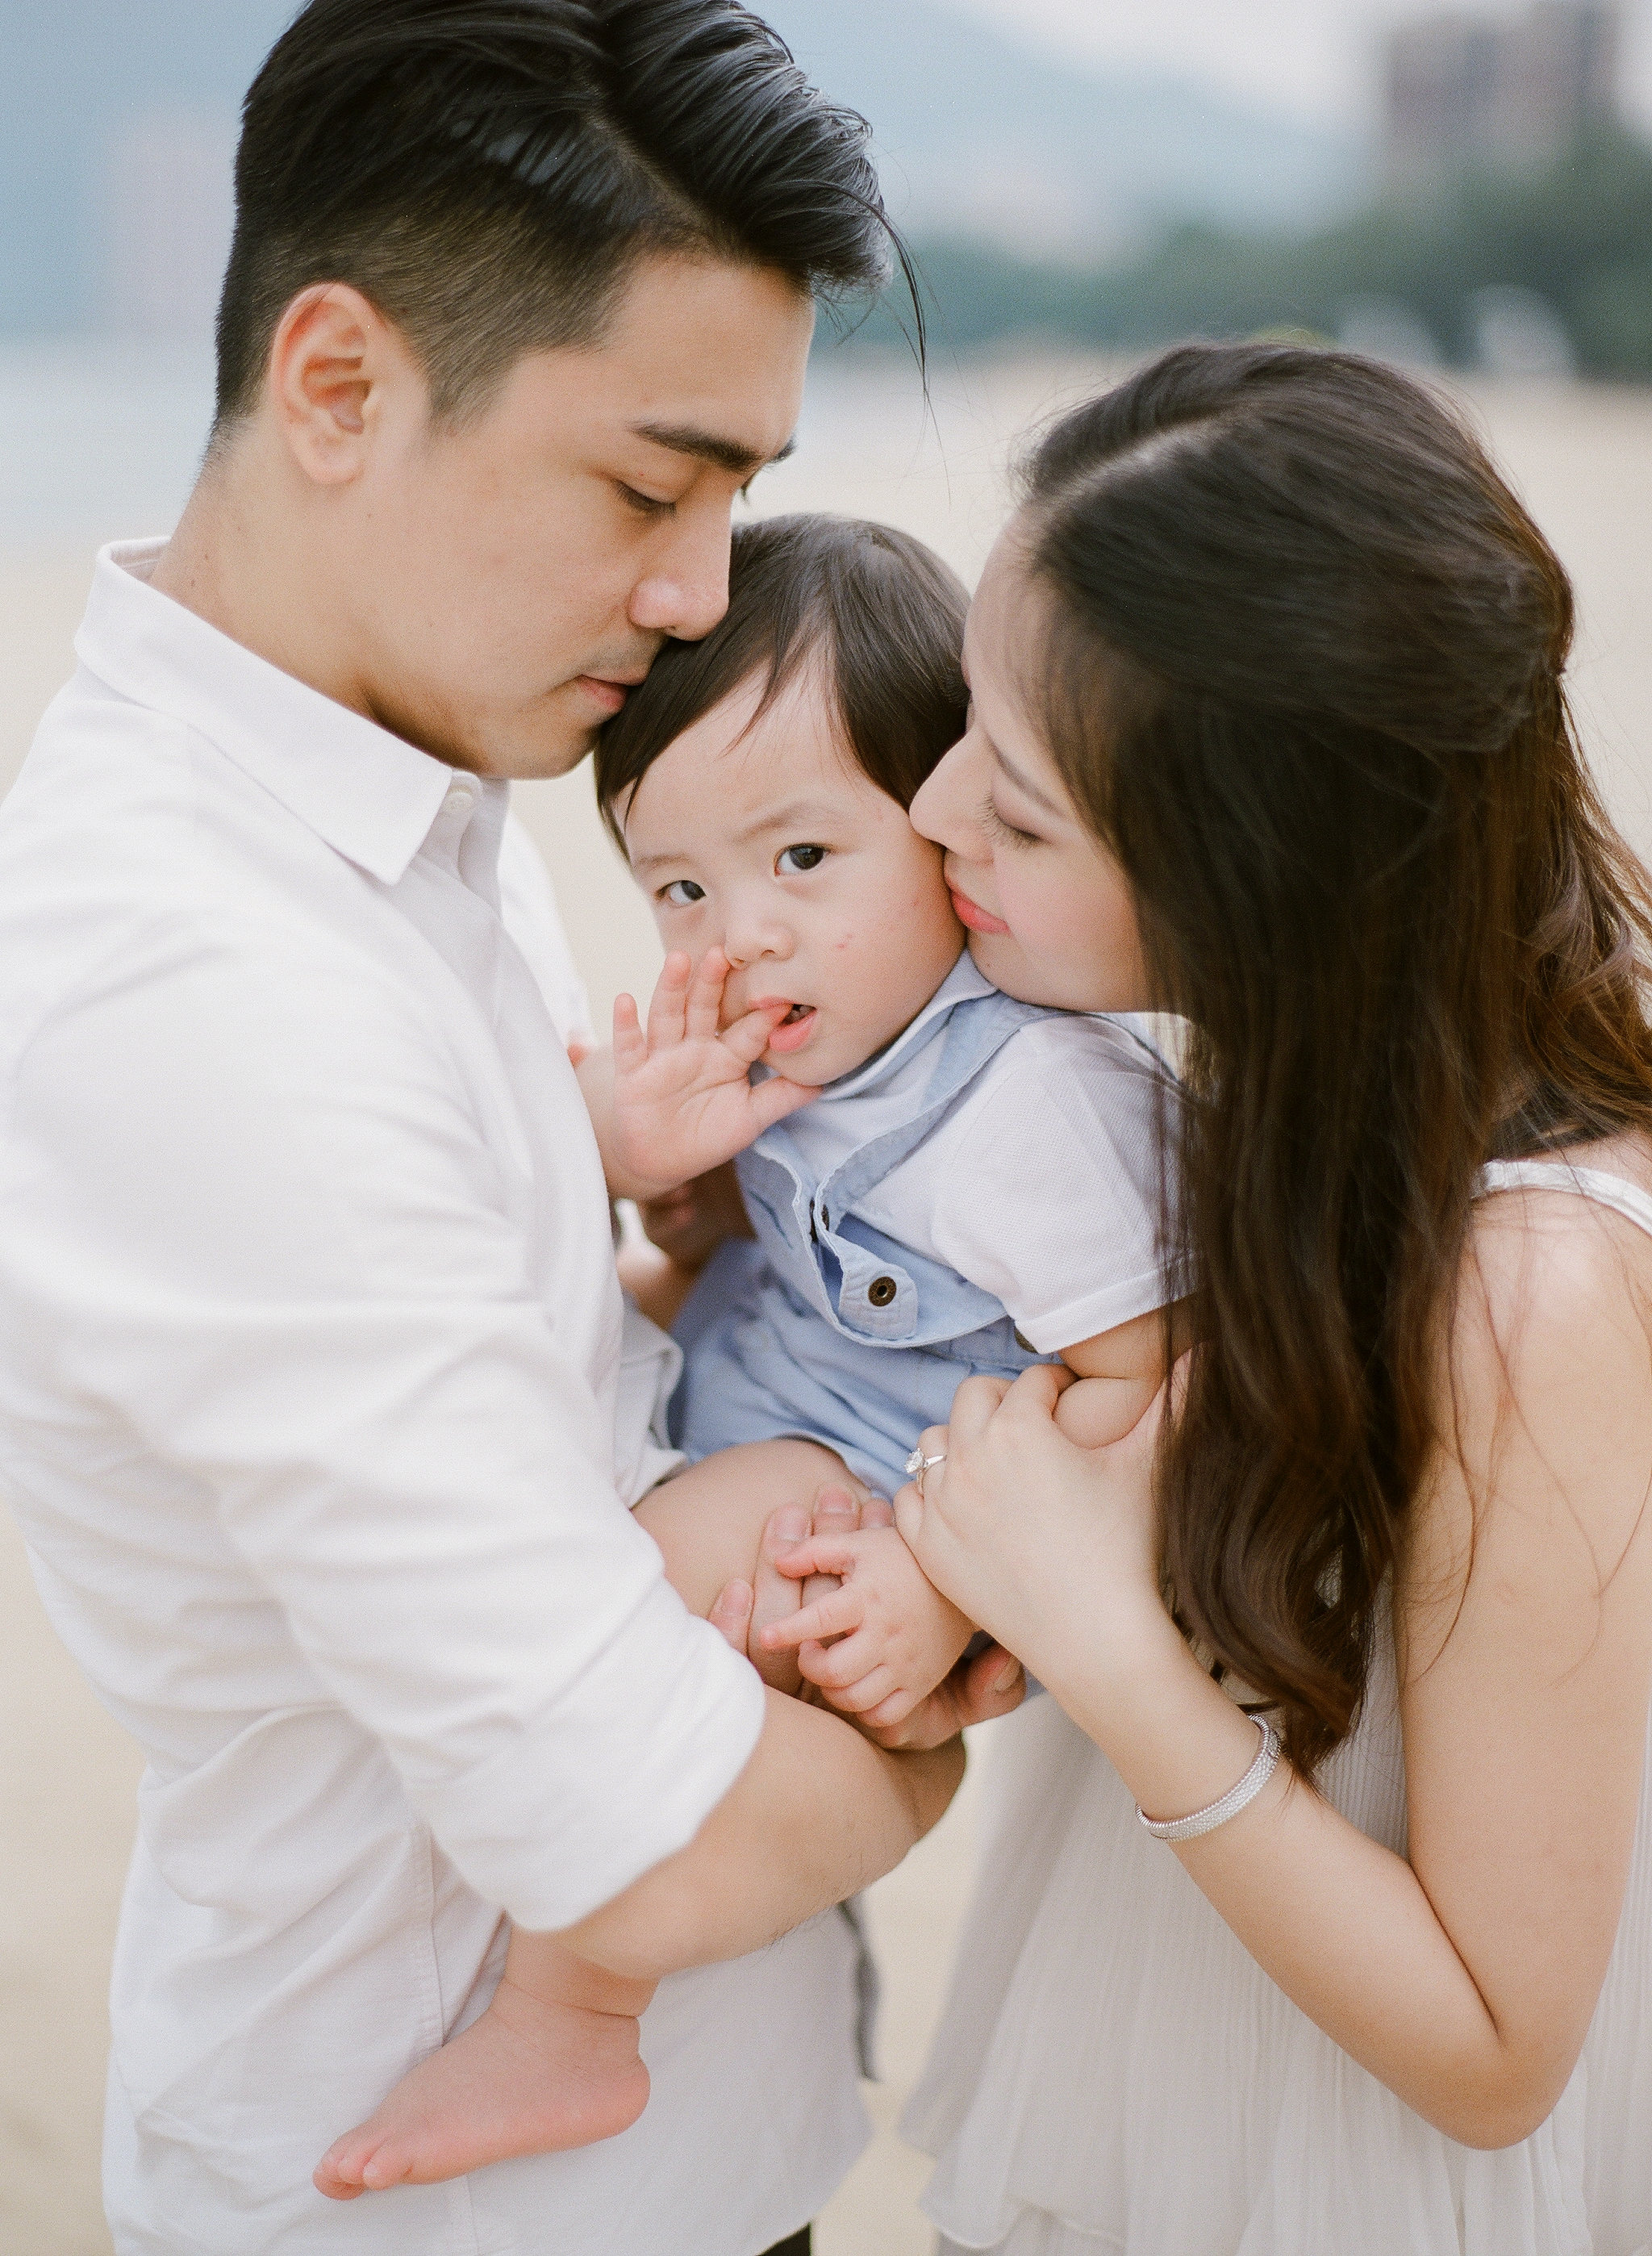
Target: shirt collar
[
  {"x": 369, "y": 795},
  {"x": 962, "y": 983}
]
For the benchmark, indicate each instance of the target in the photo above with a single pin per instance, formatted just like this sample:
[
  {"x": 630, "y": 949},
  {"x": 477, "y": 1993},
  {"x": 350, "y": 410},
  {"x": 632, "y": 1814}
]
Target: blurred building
[{"x": 1464, "y": 93}]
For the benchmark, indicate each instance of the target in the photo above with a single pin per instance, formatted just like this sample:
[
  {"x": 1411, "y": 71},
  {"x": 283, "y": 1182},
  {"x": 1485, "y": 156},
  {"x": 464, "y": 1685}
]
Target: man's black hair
[
  {"x": 488, "y": 173},
  {"x": 878, "y": 612}
]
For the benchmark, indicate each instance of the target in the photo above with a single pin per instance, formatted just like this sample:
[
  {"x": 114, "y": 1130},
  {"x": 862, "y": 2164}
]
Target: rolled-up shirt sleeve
[{"x": 262, "y": 1226}]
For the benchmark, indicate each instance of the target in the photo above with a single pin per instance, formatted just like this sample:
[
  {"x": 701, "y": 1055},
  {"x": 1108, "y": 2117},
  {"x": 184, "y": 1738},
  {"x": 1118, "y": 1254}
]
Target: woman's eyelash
[{"x": 992, "y": 820}]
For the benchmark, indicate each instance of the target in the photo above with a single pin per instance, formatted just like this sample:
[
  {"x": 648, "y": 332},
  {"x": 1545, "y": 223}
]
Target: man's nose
[{"x": 685, "y": 592}]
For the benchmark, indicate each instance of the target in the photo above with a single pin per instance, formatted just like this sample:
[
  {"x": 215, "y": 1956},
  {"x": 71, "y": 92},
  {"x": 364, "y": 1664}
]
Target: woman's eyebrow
[{"x": 1024, "y": 783}]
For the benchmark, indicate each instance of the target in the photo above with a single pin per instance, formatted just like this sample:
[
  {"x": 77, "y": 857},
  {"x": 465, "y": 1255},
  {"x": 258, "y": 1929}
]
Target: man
[{"x": 308, "y": 1323}]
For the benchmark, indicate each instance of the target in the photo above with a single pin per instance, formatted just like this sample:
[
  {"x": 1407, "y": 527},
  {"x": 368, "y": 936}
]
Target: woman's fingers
[
  {"x": 1039, "y": 1389},
  {"x": 876, "y": 1511},
  {"x": 731, "y": 1614},
  {"x": 908, "y": 1517},
  {"x": 974, "y": 1406}
]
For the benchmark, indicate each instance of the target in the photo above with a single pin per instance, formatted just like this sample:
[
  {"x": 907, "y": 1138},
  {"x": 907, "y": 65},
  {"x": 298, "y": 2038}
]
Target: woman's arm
[{"x": 1464, "y": 1978}]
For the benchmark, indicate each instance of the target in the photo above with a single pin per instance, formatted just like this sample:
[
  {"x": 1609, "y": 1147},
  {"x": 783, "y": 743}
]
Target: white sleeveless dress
[{"x": 1115, "y": 2076}]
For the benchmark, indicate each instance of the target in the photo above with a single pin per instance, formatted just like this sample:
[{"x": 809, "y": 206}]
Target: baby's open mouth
[{"x": 794, "y": 1029}]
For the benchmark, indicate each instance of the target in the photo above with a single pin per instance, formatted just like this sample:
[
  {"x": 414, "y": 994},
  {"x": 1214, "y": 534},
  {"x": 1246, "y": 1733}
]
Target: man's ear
[{"x": 333, "y": 366}]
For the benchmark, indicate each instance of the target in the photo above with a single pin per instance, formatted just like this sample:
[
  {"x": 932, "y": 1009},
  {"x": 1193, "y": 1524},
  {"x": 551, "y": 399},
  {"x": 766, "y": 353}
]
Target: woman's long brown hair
[{"x": 1302, "y": 673}]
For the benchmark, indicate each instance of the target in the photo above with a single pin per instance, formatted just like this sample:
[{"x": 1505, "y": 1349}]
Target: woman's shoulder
[
  {"x": 1565, "y": 1239},
  {"x": 1545, "y": 1363}
]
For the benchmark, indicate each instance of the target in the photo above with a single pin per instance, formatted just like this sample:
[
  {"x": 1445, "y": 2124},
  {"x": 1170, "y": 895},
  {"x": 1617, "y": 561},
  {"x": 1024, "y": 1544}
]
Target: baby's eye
[
  {"x": 796, "y": 859},
  {"x": 682, "y": 892}
]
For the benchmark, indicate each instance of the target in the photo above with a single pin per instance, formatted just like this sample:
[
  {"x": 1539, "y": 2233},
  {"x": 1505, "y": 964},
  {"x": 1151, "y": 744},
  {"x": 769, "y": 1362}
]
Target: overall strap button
[{"x": 881, "y": 1291}]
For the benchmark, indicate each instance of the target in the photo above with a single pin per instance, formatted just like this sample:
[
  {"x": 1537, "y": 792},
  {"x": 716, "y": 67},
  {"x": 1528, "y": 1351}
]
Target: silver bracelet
[{"x": 1237, "y": 1798}]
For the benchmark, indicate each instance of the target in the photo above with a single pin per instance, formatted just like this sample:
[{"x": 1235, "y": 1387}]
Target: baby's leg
[{"x": 553, "y": 2061}]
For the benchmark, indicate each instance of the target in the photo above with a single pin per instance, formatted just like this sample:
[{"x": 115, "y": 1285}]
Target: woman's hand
[{"x": 1052, "y": 1548}]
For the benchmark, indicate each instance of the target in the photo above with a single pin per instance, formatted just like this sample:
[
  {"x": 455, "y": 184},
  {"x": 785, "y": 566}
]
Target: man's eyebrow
[
  {"x": 724, "y": 454},
  {"x": 1024, "y": 783}
]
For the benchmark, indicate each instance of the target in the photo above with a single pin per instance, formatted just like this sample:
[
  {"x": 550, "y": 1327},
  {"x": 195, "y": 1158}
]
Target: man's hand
[
  {"x": 894, "y": 1636},
  {"x": 683, "y": 1102}
]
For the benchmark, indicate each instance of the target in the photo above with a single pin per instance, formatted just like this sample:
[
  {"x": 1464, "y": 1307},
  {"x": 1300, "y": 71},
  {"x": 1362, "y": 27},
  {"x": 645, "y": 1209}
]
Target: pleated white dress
[{"x": 1114, "y": 2072}]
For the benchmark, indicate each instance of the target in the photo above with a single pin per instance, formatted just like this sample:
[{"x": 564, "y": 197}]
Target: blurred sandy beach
[{"x": 1582, "y": 457}]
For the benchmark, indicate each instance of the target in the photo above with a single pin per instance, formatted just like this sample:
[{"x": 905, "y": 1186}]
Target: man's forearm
[{"x": 817, "y": 1813}]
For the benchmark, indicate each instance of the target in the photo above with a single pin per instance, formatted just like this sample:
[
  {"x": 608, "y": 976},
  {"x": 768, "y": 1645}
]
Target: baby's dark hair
[{"x": 882, "y": 611}]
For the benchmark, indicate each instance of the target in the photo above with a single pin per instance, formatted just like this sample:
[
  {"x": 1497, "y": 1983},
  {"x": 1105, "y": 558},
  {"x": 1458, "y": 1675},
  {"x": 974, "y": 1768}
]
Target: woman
[{"x": 1270, "y": 731}]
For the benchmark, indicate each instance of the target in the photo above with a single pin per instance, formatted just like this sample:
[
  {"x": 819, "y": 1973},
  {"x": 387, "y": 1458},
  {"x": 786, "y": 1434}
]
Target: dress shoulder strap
[{"x": 1616, "y": 1191}]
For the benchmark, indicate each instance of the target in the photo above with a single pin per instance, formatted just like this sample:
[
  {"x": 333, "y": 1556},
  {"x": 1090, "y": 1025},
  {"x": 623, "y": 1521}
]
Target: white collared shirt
[{"x": 309, "y": 1346}]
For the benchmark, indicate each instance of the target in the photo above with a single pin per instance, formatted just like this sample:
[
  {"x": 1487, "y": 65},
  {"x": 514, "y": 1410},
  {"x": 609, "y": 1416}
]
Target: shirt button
[
  {"x": 460, "y": 800},
  {"x": 881, "y": 1291}
]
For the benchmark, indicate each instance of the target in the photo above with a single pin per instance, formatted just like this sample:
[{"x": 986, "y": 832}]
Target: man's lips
[
  {"x": 970, "y": 913},
  {"x": 607, "y": 691}
]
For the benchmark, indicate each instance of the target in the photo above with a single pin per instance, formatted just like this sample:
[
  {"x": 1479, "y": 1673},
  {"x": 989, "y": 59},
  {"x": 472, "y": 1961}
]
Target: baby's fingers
[
  {"x": 704, "y": 1003},
  {"x": 851, "y": 1660},
  {"x": 749, "y": 1037},
  {"x": 871, "y": 1696},
  {"x": 838, "y": 1611},
  {"x": 818, "y": 1555},
  {"x": 668, "y": 1011},
  {"x": 630, "y": 1047}
]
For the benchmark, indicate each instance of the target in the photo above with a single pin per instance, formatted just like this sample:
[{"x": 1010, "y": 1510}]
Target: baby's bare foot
[{"x": 529, "y": 2077}]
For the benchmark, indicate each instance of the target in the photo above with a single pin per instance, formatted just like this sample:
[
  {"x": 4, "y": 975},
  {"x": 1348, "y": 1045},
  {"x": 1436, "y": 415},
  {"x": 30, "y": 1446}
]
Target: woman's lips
[{"x": 970, "y": 913}]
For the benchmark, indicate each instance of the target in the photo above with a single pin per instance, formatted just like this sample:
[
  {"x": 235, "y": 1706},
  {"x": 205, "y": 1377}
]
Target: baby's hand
[
  {"x": 682, "y": 1099},
  {"x": 894, "y": 1638}
]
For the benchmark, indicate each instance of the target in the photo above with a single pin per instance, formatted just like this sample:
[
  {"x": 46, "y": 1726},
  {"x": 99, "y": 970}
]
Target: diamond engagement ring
[{"x": 918, "y": 1464}]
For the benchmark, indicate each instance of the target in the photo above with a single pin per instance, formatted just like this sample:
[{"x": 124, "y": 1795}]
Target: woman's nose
[{"x": 942, "y": 809}]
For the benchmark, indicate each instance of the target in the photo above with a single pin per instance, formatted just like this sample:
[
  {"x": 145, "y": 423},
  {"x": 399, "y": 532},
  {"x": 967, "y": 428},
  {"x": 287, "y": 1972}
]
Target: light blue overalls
[{"x": 824, "y": 1327}]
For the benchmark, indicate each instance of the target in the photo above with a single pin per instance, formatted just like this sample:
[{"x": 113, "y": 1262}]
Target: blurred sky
[{"x": 1317, "y": 57}]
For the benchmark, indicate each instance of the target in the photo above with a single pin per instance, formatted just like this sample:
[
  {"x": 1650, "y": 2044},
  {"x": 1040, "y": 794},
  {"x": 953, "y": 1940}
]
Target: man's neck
[{"x": 241, "y": 560}]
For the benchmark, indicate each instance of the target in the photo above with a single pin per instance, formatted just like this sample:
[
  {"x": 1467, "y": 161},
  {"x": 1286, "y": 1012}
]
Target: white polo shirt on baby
[{"x": 309, "y": 1341}]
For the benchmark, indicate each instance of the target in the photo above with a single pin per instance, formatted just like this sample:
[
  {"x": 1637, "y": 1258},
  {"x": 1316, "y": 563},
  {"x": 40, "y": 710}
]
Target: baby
[{"x": 940, "y": 1182}]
